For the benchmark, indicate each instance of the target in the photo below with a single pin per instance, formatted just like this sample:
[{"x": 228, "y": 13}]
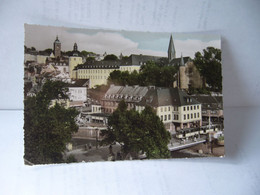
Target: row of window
[
  {"x": 190, "y": 108},
  {"x": 169, "y": 108},
  {"x": 176, "y": 116},
  {"x": 92, "y": 77},
  {"x": 95, "y": 108},
  {"x": 91, "y": 71},
  {"x": 168, "y": 117},
  {"x": 191, "y": 116},
  {"x": 76, "y": 90}
]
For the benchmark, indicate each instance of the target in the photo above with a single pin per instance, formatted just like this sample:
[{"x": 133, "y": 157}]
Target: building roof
[
  {"x": 57, "y": 40},
  {"x": 140, "y": 59},
  {"x": 149, "y": 95},
  {"x": 78, "y": 83},
  {"x": 212, "y": 101},
  {"x": 110, "y": 64},
  {"x": 128, "y": 93},
  {"x": 167, "y": 96}
]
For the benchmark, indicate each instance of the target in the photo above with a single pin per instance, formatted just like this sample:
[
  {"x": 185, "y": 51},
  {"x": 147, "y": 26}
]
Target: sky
[{"x": 116, "y": 42}]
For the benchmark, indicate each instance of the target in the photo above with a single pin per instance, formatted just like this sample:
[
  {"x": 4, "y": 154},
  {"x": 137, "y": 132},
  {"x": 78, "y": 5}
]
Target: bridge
[{"x": 177, "y": 145}]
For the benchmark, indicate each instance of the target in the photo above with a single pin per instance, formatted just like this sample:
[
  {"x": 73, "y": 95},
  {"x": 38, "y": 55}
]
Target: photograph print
[{"x": 102, "y": 95}]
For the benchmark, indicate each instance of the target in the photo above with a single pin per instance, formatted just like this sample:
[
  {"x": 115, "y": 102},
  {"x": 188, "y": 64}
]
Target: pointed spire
[
  {"x": 182, "y": 61},
  {"x": 171, "y": 50},
  {"x": 121, "y": 56}
]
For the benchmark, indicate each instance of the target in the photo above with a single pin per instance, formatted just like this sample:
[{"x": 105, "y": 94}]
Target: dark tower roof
[
  {"x": 57, "y": 40},
  {"x": 171, "y": 50},
  {"x": 75, "y": 47}
]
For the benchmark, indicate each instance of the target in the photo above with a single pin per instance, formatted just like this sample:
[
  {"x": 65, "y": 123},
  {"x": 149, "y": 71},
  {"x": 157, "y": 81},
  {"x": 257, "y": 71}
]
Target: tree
[
  {"x": 47, "y": 129},
  {"x": 136, "y": 132},
  {"x": 90, "y": 59},
  {"x": 110, "y": 57},
  {"x": 150, "y": 74},
  {"x": 209, "y": 66},
  {"x": 46, "y": 51},
  {"x": 86, "y": 54}
]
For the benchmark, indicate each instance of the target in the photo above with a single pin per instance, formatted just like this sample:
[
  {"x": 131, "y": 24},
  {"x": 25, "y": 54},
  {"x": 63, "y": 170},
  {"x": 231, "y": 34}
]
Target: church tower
[
  {"x": 171, "y": 50},
  {"x": 57, "y": 47},
  {"x": 75, "y": 50},
  {"x": 75, "y": 47}
]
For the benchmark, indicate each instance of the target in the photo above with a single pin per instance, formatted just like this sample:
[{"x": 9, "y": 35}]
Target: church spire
[{"x": 171, "y": 50}]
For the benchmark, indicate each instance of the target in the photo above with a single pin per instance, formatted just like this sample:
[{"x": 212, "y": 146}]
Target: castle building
[{"x": 57, "y": 48}]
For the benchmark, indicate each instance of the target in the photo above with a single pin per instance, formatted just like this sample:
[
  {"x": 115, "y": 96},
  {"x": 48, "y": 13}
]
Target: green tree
[
  {"x": 110, "y": 57},
  {"x": 150, "y": 74},
  {"x": 90, "y": 59},
  {"x": 136, "y": 132},
  {"x": 47, "y": 129},
  {"x": 46, "y": 51},
  {"x": 86, "y": 54},
  {"x": 209, "y": 66}
]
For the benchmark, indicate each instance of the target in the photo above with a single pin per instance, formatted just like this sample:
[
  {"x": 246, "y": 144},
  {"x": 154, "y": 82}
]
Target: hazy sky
[{"x": 115, "y": 42}]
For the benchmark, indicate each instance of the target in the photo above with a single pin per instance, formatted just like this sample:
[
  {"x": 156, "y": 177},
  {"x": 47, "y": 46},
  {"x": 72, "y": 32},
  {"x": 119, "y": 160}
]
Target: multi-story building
[
  {"x": 176, "y": 108},
  {"x": 212, "y": 107},
  {"x": 98, "y": 71},
  {"x": 97, "y": 74},
  {"x": 77, "y": 92}
]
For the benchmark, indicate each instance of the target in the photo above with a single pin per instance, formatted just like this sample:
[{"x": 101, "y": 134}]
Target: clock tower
[{"x": 57, "y": 47}]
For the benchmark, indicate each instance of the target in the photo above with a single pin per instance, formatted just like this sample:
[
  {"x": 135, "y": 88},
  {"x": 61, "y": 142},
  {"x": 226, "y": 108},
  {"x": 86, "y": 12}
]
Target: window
[
  {"x": 191, "y": 115},
  {"x": 165, "y": 109},
  {"x": 198, "y": 114},
  {"x": 188, "y": 108},
  {"x": 161, "y": 117},
  {"x": 184, "y": 108},
  {"x": 191, "y": 108},
  {"x": 188, "y": 116},
  {"x": 194, "y": 107},
  {"x": 165, "y": 117},
  {"x": 184, "y": 116},
  {"x": 197, "y": 106},
  {"x": 169, "y": 117},
  {"x": 169, "y": 109},
  {"x": 161, "y": 109}
]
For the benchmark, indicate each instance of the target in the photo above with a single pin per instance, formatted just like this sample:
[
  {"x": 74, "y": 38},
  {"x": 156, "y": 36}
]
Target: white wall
[{"x": 238, "y": 173}]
